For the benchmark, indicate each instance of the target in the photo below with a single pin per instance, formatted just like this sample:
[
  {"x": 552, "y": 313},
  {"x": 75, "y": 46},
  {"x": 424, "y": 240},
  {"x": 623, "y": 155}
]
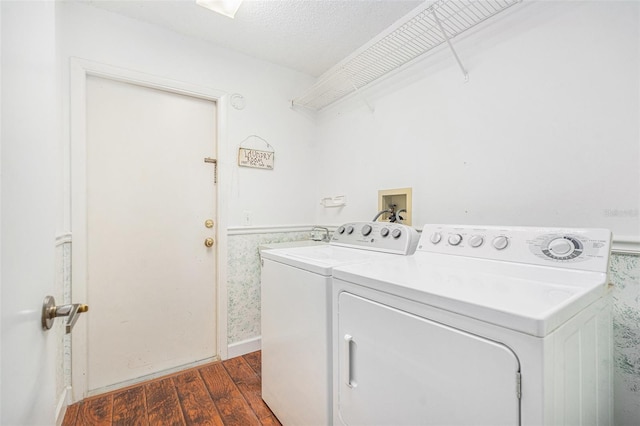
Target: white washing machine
[
  {"x": 481, "y": 326},
  {"x": 296, "y": 315}
]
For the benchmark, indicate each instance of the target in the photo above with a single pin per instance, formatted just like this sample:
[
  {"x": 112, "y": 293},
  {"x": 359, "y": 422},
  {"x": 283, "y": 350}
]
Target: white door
[
  {"x": 29, "y": 389},
  {"x": 151, "y": 281},
  {"x": 396, "y": 368}
]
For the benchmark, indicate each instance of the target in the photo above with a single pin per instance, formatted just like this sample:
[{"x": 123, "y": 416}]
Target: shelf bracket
[
  {"x": 362, "y": 97},
  {"x": 448, "y": 40}
]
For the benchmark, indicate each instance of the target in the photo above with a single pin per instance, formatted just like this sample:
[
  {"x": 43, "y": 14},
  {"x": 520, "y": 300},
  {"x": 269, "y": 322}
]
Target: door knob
[
  {"x": 50, "y": 312},
  {"x": 208, "y": 242}
]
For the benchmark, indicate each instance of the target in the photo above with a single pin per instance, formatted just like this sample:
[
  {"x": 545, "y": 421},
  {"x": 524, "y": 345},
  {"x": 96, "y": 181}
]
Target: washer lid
[
  {"x": 531, "y": 299},
  {"x": 322, "y": 259}
]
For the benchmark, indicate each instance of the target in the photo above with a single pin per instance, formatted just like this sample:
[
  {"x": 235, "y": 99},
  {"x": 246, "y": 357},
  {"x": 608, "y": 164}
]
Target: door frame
[{"x": 80, "y": 70}]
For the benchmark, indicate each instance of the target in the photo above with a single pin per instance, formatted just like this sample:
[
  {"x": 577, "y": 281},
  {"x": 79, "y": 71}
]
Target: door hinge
[
  {"x": 215, "y": 167},
  {"x": 519, "y": 385}
]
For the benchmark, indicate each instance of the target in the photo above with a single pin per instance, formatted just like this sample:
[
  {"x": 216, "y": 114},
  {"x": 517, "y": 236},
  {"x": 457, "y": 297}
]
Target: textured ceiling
[{"x": 306, "y": 35}]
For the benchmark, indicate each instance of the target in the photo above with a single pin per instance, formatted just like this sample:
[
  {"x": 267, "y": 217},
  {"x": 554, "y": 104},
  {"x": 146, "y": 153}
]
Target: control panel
[
  {"x": 575, "y": 248},
  {"x": 378, "y": 236}
]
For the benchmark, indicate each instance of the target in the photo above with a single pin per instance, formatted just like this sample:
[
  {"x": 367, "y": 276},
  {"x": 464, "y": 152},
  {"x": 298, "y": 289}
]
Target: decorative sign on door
[{"x": 257, "y": 157}]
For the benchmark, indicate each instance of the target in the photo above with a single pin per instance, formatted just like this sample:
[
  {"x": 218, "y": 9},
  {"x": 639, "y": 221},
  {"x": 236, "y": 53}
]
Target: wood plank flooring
[{"x": 221, "y": 393}]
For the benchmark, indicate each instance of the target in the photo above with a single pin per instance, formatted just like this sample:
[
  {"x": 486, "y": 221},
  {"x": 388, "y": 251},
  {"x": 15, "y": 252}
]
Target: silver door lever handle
[{"x": 50, "y": 312}]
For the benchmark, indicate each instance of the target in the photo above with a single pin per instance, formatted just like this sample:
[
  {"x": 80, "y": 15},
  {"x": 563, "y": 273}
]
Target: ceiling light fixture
[{"x": 223, "y": 7}]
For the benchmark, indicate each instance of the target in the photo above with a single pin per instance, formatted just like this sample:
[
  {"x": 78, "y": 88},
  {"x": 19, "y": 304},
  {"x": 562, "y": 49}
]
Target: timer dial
[
  {"x": 562, "y": 248},
  {"x": 396, "y": 233}
]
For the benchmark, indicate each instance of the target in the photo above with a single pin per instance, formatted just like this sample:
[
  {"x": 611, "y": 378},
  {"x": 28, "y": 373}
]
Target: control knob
[
  {"x": 349, "y": 229},
  {"x": 384, "y": 232},
  {"x": 436, "y": 237},
  {"x": 560, "y": 246},
  {"x": 501, "y": 242},
  {"x": 396, "y": 233},
  {"x": 476, "y": 241},
  {"x": 366, "y": 230},
  {"x": 563, "y": 248},
  {"x": 455, "y": 239}
]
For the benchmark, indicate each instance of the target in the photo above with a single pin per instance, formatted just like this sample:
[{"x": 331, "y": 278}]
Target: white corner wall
[
  {"x": 273, "y": 197},
  {"x": 546, "y": 131}
]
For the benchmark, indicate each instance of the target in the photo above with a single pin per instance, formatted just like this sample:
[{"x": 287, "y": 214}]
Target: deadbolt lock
[
  {"x": 208, "y": 242},
  {"x": 208, "y": 223}
]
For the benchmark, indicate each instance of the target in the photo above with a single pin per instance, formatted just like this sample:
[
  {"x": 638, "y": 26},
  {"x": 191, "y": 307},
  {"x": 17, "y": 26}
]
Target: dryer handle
[{"x": 349, "y": 361}]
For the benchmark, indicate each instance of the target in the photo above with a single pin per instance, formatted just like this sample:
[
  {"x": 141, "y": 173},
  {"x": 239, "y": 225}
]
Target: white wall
[
  {"x": 30, "y": 130},
  {"x": 546, "y": 132},
  {"x": 105, "y": 37}
]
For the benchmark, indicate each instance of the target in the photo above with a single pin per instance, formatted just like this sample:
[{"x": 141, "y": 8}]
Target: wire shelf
[{"x": 423, "y": 29}]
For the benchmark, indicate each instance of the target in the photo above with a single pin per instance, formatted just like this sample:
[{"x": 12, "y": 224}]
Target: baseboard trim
[
  {"x": 244, "y": 347},
  {"x": 152, "y": 376}
]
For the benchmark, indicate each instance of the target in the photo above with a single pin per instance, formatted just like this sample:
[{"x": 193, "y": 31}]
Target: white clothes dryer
[
  {"x": 481, "y": 326},
  {"x": 296, "y": 315}
]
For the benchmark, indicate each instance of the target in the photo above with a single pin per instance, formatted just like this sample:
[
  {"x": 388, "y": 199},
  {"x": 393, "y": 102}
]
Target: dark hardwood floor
[{"x": 219, "y": 393}]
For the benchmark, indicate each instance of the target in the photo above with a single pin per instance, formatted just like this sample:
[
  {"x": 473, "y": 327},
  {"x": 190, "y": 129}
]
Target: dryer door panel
[{"x": 396, "y": 368}]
